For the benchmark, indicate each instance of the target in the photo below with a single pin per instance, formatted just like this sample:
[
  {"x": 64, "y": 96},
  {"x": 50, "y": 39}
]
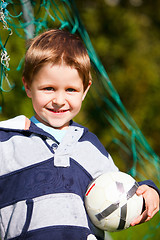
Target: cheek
[
  {"x": 41, "y": 100},
  {"x": 76, "y": 103},
  {"x": 37, "y": 103}
]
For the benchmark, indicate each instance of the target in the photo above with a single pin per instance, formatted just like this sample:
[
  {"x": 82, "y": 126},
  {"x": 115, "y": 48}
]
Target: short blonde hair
[{"x": 57, "y": 47}]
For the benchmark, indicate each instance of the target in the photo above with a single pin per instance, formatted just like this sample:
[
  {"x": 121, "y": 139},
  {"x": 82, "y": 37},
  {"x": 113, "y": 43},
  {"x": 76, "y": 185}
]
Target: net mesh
[{"x": 28, "y": 18}]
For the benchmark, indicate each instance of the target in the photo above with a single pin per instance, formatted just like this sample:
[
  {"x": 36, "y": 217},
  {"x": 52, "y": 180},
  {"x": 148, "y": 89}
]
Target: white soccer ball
[{"x": 111, "y": 201}]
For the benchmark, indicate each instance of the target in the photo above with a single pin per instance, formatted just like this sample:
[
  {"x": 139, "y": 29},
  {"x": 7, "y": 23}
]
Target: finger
[
  {"x": 144, "y": 217},
  {"x": 140, "y": 219},
  {"x": 141, "y": 189},
  {"x": 152, "y": 212},
  {"x": 152, "y": 209}
]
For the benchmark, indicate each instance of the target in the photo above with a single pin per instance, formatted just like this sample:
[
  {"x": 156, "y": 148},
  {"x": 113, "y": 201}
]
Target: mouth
[{"x": 57, "y": 111}]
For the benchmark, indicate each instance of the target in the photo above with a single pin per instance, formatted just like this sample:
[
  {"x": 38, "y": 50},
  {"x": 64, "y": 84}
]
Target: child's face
[{"x": 57, "y": 93}]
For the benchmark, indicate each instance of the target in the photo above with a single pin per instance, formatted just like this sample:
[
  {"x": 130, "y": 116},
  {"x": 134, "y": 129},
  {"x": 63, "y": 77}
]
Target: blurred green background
[{"x": 126, "y": 37}]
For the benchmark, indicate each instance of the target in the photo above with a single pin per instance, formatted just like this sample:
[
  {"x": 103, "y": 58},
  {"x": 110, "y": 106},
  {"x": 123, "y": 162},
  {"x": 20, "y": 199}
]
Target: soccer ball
[{"x": 111, "y": 201}]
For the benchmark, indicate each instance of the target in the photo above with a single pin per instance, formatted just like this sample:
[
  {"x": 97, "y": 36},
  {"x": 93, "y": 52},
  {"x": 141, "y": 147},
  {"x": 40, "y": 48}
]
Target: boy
[{"x": 47, "y": 162}]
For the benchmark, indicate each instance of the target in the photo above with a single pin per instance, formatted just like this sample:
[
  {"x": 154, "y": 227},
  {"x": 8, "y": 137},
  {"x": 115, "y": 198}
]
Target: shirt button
[{"x": 54, "y": 146}]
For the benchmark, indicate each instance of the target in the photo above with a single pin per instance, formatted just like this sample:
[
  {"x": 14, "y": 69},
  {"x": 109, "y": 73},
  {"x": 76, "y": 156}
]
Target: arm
[{"x": 151, "y": 195}]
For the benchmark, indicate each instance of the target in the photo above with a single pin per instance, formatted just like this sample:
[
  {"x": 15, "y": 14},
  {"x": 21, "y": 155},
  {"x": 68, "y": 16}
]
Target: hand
[{"x": 151, "y": 199}]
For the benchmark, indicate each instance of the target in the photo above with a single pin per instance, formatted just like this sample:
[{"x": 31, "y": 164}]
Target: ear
[
  {"x": 27, "y": 88},
  {"x": 85, "y": 92}
]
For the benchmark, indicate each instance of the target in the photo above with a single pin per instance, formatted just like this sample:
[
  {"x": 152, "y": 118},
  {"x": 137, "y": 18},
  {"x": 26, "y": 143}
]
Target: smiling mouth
[{"x": 57, "y": 111}]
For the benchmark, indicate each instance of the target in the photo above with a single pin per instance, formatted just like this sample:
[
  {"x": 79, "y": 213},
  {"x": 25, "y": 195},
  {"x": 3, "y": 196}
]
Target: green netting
[{"x": 28, "y": 18}]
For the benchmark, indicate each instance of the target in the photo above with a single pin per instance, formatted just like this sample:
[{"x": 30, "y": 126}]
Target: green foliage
[
  {"x": 147, "y": 231},
  {"x": 123, "y": 39},
  {"x": 126, "y": 38}
]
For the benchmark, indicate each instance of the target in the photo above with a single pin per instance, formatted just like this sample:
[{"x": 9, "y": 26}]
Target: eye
[
  {"x": 71, "y": 90},
  {"x": 49, "y": 89}
]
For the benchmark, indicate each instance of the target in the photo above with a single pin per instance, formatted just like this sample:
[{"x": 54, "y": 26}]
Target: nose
[{"x": 59, "y": 99}]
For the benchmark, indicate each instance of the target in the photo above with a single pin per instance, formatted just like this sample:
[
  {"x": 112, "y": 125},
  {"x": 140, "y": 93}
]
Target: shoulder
[
  {"x": 90, "y": 153},
  {"x": 87, "y": 135},
  {"x": 91, "y": 138},
  {"x": 19, "y": 122}
]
